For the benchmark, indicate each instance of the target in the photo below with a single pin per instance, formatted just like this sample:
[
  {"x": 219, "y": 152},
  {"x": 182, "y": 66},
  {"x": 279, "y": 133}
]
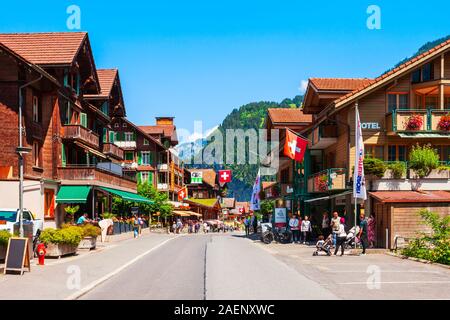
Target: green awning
[
  {"x": 133, "y": 197},
  {"x": 73, "y": 194}
]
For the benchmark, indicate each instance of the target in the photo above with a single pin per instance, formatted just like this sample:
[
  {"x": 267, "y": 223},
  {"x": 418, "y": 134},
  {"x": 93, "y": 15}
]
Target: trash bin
[{"x": 27, "y": 233}]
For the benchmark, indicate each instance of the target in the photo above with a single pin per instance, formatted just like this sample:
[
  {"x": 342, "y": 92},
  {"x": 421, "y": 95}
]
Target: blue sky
[{"x": 197, "y": 60}]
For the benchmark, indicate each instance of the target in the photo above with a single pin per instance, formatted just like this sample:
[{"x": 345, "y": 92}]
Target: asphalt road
[{"x": 209, "y": 267}]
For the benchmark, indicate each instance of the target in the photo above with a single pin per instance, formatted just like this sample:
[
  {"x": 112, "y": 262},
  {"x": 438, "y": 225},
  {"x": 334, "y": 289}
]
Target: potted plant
[
  {"x": 396, "y": 170},
  {"x": 444, "y": 122},
  {"x": 414, "y": 122},
  {"x": 422, "y": 160},
  {"x": 61, "y": 242},
  {"x": 4, "y": 238},
  {"x": 374, "y": 167},
  {"x": 90, "y": 234},
  {"x": 70, "y": 213},
  {"x": 322, "y": 183}
]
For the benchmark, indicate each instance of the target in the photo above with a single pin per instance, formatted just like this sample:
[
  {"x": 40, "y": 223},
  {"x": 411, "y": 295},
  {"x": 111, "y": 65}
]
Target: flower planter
[
  {"x": 61, "y": 249},
  {"x": 116, "y": 227},
  {"x": 389, "y": 175},
  {"x": 434, "y": 174},
  {"x": 88, "y": 243},
  {"x": 3, "y": 252}
]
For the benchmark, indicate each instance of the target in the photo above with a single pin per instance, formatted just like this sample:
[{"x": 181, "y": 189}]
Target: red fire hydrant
[{"x": 41, "y": 253}]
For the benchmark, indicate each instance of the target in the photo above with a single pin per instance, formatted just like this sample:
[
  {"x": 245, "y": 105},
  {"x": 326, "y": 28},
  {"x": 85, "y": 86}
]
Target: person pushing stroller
[{"x": 324, "y": 245}]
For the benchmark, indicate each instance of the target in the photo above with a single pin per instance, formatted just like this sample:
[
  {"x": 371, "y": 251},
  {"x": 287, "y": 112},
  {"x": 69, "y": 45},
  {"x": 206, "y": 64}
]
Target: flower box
[
  {"x": 434, "y": 174},
  {"x": 116, "y": 227},
  {"x": 57, "y": 250},
  {"x": 88, "y": 243}
]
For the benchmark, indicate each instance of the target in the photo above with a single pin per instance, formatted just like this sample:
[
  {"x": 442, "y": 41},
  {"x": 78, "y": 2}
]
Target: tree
[{"x": 161, "y": 200}]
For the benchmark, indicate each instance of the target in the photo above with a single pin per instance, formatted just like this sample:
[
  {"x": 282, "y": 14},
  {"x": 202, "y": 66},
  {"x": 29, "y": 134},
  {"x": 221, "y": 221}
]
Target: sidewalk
[{"x": 61, "y": 278}]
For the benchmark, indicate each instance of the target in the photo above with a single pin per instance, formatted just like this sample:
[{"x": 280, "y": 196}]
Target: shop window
[
  {"x": 397, "y": 153},
  {"x": 49, "y": 204},
  {"x": 373, "y": 151}
]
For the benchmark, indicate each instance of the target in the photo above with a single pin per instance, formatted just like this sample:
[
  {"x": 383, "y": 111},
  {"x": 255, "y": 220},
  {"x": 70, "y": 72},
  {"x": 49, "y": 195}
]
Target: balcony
[
  {"x": 112, "y": 150},
  {"x": 328, "y": 180},
  {"x": 162, "y": 167},
  {"x": 102, "y": 174},
  {"x": 126, "y": 144},
  {"x": 323, "y": 136},
  {"x": 81, "y": 134},
  {"x": 412, "y": 121}
]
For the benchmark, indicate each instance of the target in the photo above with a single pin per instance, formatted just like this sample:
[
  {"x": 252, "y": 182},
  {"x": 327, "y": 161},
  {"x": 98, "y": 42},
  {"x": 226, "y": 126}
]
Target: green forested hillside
[{"x": 250, "y": 116}]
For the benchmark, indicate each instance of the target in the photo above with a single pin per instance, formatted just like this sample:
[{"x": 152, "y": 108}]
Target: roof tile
[{"x": 288, "y": 115}]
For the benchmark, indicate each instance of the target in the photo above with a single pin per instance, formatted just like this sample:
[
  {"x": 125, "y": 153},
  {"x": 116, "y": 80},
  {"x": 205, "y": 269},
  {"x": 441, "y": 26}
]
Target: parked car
[{"x": 10, "y": 216}]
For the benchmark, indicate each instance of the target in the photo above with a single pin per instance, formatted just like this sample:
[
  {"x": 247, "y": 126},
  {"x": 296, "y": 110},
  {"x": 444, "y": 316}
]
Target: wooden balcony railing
[
  {"x": 323, "y": 136},
  {"x": 112, "y": 150},
  {"x": 96, "y": 173},
  {"x": 327, "y": 180},
  {"x": 415, "y": 120},
  {"x": 80, "y": 133}
]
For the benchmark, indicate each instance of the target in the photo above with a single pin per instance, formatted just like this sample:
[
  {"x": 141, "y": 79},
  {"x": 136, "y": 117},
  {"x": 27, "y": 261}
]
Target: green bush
[
  {"x": 434, "y": 247},
  {"x": 398, "y": 169},
  {"x": 108, "y": 215},
  {"x": 69, "y": 235},
  {"x": 90, "y": 230},
  {"x": 423, "y": 159},
  {"x": 374, "y": 167},
  {"x": 4, "y": 237}
]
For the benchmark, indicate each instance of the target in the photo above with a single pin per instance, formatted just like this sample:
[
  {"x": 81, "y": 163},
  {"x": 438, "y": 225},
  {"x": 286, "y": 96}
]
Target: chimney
[{"x": 164, "y": 121}]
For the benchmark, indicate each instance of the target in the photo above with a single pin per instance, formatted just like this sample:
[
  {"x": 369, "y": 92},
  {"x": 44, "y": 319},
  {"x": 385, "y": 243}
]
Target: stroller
[
  {"x": 351, "y": 237},
  {"x": 325, "y": 247}
]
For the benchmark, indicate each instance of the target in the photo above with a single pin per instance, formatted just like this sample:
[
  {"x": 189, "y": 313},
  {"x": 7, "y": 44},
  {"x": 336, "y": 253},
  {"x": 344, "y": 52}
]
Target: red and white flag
[
  {"x": 182, "y": 194},
  {"x": 224, "y": 176},
  {"x": 295, "y": 146}
]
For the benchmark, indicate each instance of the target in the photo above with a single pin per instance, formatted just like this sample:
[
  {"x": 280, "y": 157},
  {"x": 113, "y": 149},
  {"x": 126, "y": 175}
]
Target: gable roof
[
  {"x": 106, "y": 79},
  {"x": 388, "y": 76},
  {"x": 228, "y": 202},
  {"x": 145, "y": 134},
  {"x": 210, "y": 203},
  {"x": 339, "y": 84},
  {"x": 288, "y": 115},
  {"x": 48, "y": 48},
  {"x": 167, "y": 131}
]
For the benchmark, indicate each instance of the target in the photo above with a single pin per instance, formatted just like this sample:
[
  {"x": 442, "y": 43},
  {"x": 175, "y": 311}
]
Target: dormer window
[
  {"x": 124, "y": 125},
  {"x": 116, "y": 125}
]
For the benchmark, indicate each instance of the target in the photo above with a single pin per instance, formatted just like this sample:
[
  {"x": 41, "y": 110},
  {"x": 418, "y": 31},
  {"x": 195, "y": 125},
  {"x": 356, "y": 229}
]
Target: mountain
[{"x": 248, "y": 116}]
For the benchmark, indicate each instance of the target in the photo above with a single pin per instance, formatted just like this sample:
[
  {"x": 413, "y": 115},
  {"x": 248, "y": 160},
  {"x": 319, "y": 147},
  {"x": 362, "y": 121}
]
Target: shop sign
[
  {"x": 370, "y": 125},
  {"x": 280, "y": 217}
]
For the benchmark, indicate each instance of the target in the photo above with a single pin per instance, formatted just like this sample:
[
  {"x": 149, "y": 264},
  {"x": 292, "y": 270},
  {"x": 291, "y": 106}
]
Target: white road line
[
  {"x": 97, "y": 282},
  {"x": 393, "y": 282},
  {"x": 382, "y": 271}
]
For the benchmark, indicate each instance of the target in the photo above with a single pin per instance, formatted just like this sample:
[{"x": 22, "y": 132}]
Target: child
[{"x": 320, "y": 242}]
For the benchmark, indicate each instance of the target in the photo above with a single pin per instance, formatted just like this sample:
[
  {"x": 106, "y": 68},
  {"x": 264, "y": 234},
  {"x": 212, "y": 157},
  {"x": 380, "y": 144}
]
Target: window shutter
[
  {"x": 139, "y": 177},
  {"x": 111, "y": 136},
  {"x": 139, "y": 158},
  {"x": 66, "y": 78},
  {"x": 150, "y": 177},
  {"x": 134, "y": 136},
  {"x": 105, "y": 135},
  {"x": 78, "y": 84},
  {"x": 83, "y": 119},
  {"x": 63, "y": 155}
]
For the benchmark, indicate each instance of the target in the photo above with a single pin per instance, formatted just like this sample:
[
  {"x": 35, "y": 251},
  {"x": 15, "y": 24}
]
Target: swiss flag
[
  {"x": 182, "y": 194},
  {"x": 295, "y": 146},
  {"x": 224, "y": 176},
  {"x": 241, "y": 210}
]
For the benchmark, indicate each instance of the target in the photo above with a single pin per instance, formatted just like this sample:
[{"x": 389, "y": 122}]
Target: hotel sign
[{"x": 370, "y": 125}]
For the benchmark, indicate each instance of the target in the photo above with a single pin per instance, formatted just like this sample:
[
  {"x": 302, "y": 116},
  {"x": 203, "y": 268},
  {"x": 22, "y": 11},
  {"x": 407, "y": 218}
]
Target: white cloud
[
  {"x": 303, "y": 86},
  {"x": 192, "y": 137}
]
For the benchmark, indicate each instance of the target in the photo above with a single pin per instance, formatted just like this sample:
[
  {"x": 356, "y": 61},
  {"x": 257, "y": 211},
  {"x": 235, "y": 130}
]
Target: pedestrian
[
  {"x": 179, "y": 225},
  {"x": 189, "y": 226},
  {"x": 363, "y": 232},
  {"x": 340, "y": 239},
  {"x": 305, "y": 229},
  {"x": 141, "y": 224},
  {"x": 335, "y": 222},
  {"x": 325, "y": 224},
  {"x": 294, "y": 225},
  {"x": 174, "y": 227},
  {"x": 255, "y": 224},
  {"x": 83, "y": 219},
  {"x": 371, "y": 232},
  {"x": 135, "y": 221},
  {"x": 247, "y": 226},
  {"x": 205, "y": 227}
]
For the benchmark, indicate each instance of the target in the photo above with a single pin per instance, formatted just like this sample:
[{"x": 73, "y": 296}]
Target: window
[
  {"x": 397, "y": 153},
  {"x": 129, "y": 155},
  {"x": 49, "y": 204},
  {"x": 36, "y": 109},
  {"x": 116, "y": 125},
  {"x": 397, "y": 101},
  {"x": 431, "y": 102},
  {"x": 26, "y": 215},
  {"x": 427, "y": 72},
  {"x": 124, "y": 125},
  {"x": 146, "y": 143},
  {"x": 373, "y": 151},
  {"x": 36, "y": 154},
  {"x": 447, "y": 103},
  {"x": 104, "y": 108},
  {"x": 444, "y": 152},
  {"x": 83, "y": 119},
  {"x": 144, "y": 176},
  {"x": 145, "y": 158},
  {"x": 129, "y": 136},
  {"x": 415, "y": 76}
]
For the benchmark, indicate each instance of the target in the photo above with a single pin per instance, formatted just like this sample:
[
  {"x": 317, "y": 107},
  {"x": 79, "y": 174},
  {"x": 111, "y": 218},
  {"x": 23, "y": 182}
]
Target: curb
[
  {"x": 417, "y": 260},
  {"x": 97, "y": 282}
]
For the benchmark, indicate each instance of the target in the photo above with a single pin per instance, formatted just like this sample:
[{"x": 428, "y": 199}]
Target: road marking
[
  {"x": 384, "y": 271},
  {"x": 97, "y": 282},
  {"x": 394, "y": 282}
]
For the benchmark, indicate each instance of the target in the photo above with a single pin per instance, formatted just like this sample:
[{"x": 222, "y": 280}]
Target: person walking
[
  {"x": 325, "y": 224},
  {"x": 335, "y": 223},
  {"x": 305, "y": 229},
  {"x": 136, "y": 226},
  {"x": 294, "y": 225},
  {"x": 371, "y": 232},
  {"x": 255, "y": 224},
  {"x": 340, "y": 240},
  {"x": 247, "y": 226},
  {"x": 179, "y": 225},
  {"x": 363, "y": 232}
]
